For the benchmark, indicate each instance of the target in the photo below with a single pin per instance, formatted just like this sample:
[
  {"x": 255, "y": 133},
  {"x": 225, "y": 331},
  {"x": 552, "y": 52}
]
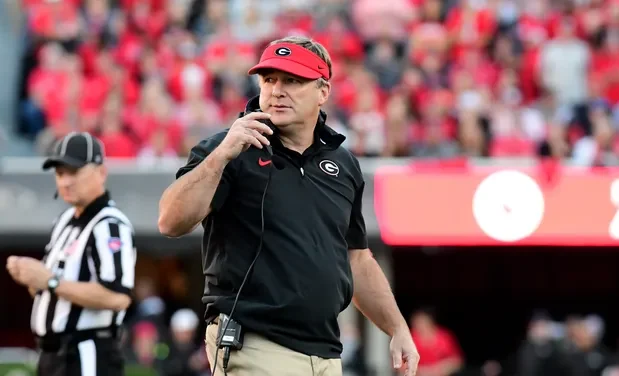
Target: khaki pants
[{"x": 261, "y": 357}]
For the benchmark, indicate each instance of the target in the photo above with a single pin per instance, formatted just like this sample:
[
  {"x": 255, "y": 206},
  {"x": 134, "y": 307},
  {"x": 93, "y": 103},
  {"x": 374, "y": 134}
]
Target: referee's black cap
[{"x": 76, "y": 150}]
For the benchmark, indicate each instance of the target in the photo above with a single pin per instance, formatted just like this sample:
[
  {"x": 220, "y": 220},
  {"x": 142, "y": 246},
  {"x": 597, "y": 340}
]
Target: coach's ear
[{"x": 323, "y": 92}]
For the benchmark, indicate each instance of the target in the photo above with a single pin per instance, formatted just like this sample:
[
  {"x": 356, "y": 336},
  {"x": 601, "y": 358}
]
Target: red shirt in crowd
[
  {"x": 118, "y": 145},
  {"x": 469, "y": 29},
  {"x": 52, "y": 19},
  {"x": 431, "y": 351}
]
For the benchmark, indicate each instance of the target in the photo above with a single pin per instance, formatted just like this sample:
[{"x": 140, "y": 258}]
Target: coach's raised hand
[
  {"x": 192, "y": 196},
  {"x": 243, "y": 133}
]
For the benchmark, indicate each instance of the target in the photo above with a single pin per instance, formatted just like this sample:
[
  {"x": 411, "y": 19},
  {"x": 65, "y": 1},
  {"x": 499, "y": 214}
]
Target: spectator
[
  {"x": 55, "y": 20},
  {"x": 114, "y": 136},
  {"x": 185, "y": 357},
  {"x": 584, "y": 354},
  {"x": 540, "y": 353},
  {"x": 434, "y": 135},
  {"x": 564, "y": 65},
  {"x": 398, "y": 120},
  {"x": 382, "y": 19},
  {"x": 157, "y": 151},
  {"x": 146, "y": 348},
  {"x": 440, "y": 354},
  {"x": 368, "y": 124},
  {"x": 41, "y": 84},
  {"x": 253, "y": 20},
  {"x": 384, "y": 63},
  {"x": 149, "y": 306},
  {"x": 511, "y": 135}
]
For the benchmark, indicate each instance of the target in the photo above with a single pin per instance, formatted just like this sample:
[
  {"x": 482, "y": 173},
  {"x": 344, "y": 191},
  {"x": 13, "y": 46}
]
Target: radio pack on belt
[{"x": 229, "y": 336}]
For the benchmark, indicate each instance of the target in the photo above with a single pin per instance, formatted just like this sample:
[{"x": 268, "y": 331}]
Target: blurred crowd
[
  {"x": 421, "y": 78},
  {"x": 169, "y": 343},
  {"x": 573, "y": 347},
  {"x": 168, "y": 339},
  {"x": 551, "y": 348}
]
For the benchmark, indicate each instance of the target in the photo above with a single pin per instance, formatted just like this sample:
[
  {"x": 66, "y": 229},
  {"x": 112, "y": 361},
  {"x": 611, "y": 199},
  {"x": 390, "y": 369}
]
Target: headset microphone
[{"x": 278, "y": 162}]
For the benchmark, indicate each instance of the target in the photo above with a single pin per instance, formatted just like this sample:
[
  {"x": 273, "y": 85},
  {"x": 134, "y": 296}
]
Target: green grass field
[{"x": 27, "y": 370}]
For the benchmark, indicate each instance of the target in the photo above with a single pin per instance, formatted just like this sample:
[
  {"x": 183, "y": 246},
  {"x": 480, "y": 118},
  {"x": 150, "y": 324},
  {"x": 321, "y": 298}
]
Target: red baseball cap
[{"x": 294, "y": 59}]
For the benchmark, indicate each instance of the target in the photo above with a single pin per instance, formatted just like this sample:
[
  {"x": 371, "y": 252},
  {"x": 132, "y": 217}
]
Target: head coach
[
  {"x": 81, "y": 287},
  {"x": 285, "y": 239}
]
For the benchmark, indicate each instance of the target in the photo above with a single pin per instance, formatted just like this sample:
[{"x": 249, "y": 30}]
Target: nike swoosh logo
[{"x": 264, "y": 163}]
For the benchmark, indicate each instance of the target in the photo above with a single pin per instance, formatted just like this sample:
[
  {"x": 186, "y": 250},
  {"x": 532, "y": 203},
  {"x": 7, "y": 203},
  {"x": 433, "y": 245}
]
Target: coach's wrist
[
  {"x": 397, "y": 326},
  {"x": 217, "y": 159}
]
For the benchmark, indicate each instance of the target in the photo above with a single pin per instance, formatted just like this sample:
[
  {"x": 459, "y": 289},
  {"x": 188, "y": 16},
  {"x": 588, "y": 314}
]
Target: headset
[{"x": 278, "y": 164}]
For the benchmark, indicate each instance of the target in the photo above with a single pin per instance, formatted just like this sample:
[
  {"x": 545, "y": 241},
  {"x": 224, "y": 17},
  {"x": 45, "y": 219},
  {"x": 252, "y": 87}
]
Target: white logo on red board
[{"x": 508, "y": 206}]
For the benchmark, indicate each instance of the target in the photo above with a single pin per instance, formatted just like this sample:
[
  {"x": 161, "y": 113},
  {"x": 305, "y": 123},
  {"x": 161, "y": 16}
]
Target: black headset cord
[{"x": 247, "y": 274}]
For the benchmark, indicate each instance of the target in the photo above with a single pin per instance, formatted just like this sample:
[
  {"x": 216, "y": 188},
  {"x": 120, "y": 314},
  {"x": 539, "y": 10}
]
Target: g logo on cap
[
  {"x": 283, "y": 51},
  {"x": 329, "y": 167}
]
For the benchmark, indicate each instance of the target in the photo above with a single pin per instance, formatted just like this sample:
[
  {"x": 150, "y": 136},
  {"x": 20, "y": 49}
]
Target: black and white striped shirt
[{"x": 96, "y": 247}]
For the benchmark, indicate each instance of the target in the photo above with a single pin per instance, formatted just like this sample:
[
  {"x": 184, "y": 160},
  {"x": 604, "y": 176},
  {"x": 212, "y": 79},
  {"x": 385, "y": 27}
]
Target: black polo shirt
[{"x": 302, "y": 279}]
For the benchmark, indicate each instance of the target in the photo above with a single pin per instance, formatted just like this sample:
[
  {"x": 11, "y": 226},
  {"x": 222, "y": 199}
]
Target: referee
[
  {"x": 82, "y": 286},
  {"x": 285, "y": 238}
]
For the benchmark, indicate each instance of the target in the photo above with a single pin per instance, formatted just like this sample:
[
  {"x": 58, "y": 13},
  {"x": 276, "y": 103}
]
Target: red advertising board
[{"x": 497, "y": 206}]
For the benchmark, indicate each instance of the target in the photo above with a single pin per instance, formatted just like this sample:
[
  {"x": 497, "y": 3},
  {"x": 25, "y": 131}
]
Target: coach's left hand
[
  {"x": 404, "y": 352},
  {"x": 28, "y": 271}
]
